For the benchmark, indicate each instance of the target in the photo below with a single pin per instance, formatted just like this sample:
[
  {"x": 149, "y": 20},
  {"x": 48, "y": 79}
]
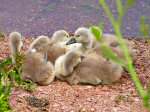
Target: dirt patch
[{"x": 61, "y": 97}]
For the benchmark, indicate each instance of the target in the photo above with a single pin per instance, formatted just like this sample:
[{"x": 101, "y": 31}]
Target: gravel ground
[
  {"x": 36, "y": 17},
  {"x": 61, "y": 97}
]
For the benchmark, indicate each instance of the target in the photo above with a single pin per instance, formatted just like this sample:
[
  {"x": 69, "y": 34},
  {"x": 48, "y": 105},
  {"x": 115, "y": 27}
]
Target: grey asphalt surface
[{"x": 36, "y": 17}]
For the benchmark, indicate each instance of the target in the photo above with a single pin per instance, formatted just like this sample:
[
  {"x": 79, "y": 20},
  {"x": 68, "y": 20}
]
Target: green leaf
[
  {"x": 7, "y": 61},
  {"x": 101, "y": 1},
  {"x": 130, "y": 3},
  {"x": 108, "y": 53},
  {"x": 97, "y": 32}
]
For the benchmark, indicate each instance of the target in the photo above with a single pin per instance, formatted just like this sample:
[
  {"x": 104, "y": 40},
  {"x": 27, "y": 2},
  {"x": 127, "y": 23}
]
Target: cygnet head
[
  {"x": 15, "y": 44},
  {"x": 15, "y": 34},
  {"x": 60, "y": 36},
  {"x": 65, "y": 64},
  {"x": 40, "y": 44},
  {"x": 84, "y": 36},
  {"x": 16, "y": 41}
]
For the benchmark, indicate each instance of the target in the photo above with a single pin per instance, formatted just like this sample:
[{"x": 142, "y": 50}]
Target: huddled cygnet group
[{"x": 75, "y": 59}]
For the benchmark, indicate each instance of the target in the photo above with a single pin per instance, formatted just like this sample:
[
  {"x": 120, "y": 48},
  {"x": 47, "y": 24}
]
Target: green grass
[{"x": 10, "y": 77}]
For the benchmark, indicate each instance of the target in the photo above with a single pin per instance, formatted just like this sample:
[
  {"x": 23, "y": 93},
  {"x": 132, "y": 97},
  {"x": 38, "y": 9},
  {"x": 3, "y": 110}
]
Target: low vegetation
[{"x": 10, "y": 77}]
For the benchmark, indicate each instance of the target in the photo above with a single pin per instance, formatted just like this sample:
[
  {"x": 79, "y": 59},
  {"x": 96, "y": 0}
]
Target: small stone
[
  {"x": 92, "y": 110},
  {"x": 83, "y": 110}
]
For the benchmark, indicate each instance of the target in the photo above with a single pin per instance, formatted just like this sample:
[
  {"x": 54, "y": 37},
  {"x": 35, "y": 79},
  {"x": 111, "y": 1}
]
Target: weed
[{"x": 10, "y": 77}]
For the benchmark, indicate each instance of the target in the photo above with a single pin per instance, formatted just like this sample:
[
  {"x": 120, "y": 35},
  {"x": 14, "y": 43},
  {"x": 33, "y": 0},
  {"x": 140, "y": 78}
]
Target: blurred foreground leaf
[
  {"x": 97, "y": 32},
  {"x": 109, "y": 54},
  {"x": 130, "y": 3}
]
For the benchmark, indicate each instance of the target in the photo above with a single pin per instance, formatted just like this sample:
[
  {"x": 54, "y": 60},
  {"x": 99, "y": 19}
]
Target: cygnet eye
[
  {"x": 114, "y": 44},
  {"x": 82, "y": 57},
  {"x": 77, "y": 35},
  {"x": 67, "y": 36}
]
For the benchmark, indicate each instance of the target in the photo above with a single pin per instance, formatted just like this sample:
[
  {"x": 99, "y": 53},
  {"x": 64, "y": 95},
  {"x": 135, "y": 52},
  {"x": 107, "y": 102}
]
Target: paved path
[{"x": 35, "y": 17}]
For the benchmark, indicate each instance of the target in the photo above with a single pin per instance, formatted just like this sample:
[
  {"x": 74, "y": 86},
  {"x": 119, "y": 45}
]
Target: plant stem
[
  {"x": 124, "y": 47},
  {"x": 130, "y": 66},
  {"x": 120, "y": 11}
]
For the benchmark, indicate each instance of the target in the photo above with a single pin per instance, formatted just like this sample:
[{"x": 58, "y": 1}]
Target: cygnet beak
[{"x": 71, "y": 41}]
